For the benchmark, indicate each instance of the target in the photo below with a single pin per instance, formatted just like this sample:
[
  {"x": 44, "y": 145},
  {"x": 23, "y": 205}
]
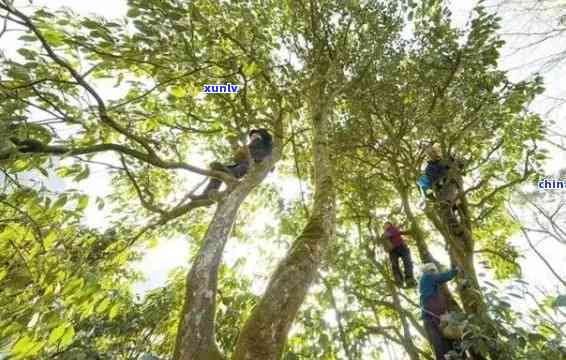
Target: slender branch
[
  {"x": 36, "y": 147},
  {"x": 496, "y": 253},
  {"x": 102, "y": 111},
  {"x": 146, "y": 204},
  {"x": 526, "y": 173},
  {"x": 157, "y": 86},
  {"x": 540, "y": 256}
]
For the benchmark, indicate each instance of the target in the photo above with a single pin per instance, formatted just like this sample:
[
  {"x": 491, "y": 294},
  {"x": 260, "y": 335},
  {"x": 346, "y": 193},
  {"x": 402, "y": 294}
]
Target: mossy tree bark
[
  {"x": 420, "y": 240},
  {"x": 195, "y": 336},
  {"x": 264, "y": 334},
  {"x": 452, "y": 220}
]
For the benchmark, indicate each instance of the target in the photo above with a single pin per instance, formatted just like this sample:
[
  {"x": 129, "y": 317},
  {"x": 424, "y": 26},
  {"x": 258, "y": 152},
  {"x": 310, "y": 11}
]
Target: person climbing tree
[
  {"x": 260, "y": 147},
  {"x": 433, "y": 305},
  {"x": 436, "y": 169},
  {"x": 444, "y": 178},
  {"x": 441, "y": 173},
  {"x": 397, "y": 248}
]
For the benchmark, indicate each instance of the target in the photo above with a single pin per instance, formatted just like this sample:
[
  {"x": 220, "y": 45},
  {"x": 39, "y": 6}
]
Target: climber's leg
[
  {"x": 213, "y": 184},
  {"x": 407, "y": 266},
  {"x": 394, "y": 256}
]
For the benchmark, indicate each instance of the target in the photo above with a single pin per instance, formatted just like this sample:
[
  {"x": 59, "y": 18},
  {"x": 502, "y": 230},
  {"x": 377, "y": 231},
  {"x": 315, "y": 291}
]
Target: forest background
[{"x": 97, "y": 241}]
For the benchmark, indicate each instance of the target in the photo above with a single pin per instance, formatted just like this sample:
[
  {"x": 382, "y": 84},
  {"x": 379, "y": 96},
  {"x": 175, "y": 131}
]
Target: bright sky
[
  {"x": 174, "y": 252},
  {"x": 513, "y": 60}
]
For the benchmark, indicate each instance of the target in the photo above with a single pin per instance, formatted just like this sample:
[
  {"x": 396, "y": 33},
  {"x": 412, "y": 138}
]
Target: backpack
[
  {"x": 424, "y": 183},
  {"x": 453, "y": 325}
]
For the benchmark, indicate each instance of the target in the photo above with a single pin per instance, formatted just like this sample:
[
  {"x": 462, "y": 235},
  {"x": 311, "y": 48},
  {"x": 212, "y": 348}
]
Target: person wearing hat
[
  {"x": 260, "y": 147},
  {"x": 396, "y": 247},
  {"x": 433, "y": 306}
]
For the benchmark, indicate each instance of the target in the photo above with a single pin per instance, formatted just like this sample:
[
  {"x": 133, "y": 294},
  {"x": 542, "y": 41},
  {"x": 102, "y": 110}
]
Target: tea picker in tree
[
  {"x": 442, "y": 183},
  {"x": 433, "y": 306},
  {"x": 395, "y": 245},
  {"x": 440, "y": 176},
  {"x": 260, "y": 147}
]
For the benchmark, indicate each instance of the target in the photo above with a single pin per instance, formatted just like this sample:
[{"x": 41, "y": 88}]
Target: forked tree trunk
[
  {"x": 458, "y": 234},
  {"x": 424, "y": 253},
  {"x": 454, "y": 224},
  {"x": 195, "y": 335},
  {"x": 264, "y": 334}
]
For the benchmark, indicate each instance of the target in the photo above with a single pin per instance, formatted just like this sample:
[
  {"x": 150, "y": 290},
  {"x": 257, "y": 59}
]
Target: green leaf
[
  {"x": 249, "y": 69},
  {"x": 560, "y": 301},
  {"x": 20, "y": 165},
  {"x": 49, "y": 239},
  {"x": 133, "y": 12},
  {"x": 104, "y": 304},
  {"x": 27, "y": 38},
  {"x": 68, "y": 336},
  {"x": 53, "y": 37},
  {"x": 114, "y": 311},
  {"x": 89, "y": 24},
  {"x": 27, "y": 54},
  {"x": 61, "y": 201},
  {"x": 99, "y": 203},
  {"x": 82, "y": 175},
  {"x": 82, "y": 203},
  {"x": 43, "y": 13},
  {"x": 57, "y": 333},
  {"x": 43, "y": 172},
  {"x": 178, "y": 91},
  {"x": 23, "y": 345},
  {"x": 3, "y": 273}
]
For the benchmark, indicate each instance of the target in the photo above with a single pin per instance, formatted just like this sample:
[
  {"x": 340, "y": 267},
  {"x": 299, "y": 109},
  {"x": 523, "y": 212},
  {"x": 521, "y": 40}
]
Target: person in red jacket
[{"x": 398, "y": 249}]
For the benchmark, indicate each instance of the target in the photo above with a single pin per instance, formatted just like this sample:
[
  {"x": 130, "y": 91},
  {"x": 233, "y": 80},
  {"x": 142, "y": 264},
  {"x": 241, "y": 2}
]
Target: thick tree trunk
[
  {"x": 424, "y": 253},
  {"x": 458, "y": 234},
  {"x": 454, "y": 224},
  {"x": 264, "y": 334},
  {"x": 195, "y": 335}
]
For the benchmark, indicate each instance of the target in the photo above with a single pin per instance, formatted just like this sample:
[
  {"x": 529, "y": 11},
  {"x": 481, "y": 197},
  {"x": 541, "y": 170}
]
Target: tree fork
[
  {"x": 459, "y": 239},
  {"x": 264, "y": 334},
  {"x": 422, "y": 247},
  {"x": 196, "y": 331}
]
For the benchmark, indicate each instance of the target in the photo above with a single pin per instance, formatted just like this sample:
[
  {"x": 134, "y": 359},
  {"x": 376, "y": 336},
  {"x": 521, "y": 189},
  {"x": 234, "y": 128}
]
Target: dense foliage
[{"x": 374, "y": 82}]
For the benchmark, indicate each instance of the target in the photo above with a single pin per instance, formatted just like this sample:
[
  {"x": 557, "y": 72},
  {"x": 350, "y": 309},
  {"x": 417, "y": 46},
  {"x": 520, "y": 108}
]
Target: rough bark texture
[
  {"x": 455, "y": 226},
  {"x": 265, "y": 333},
  {"x": 424, "y": 253},
  {"x": 195, "y": 336},
  {"x": 452, "y": 219}
]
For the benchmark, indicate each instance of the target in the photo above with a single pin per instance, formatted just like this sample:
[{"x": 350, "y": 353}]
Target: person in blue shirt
[
  {"x": 433, "y": 305},
  {"x": 436, "y": 171}
]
